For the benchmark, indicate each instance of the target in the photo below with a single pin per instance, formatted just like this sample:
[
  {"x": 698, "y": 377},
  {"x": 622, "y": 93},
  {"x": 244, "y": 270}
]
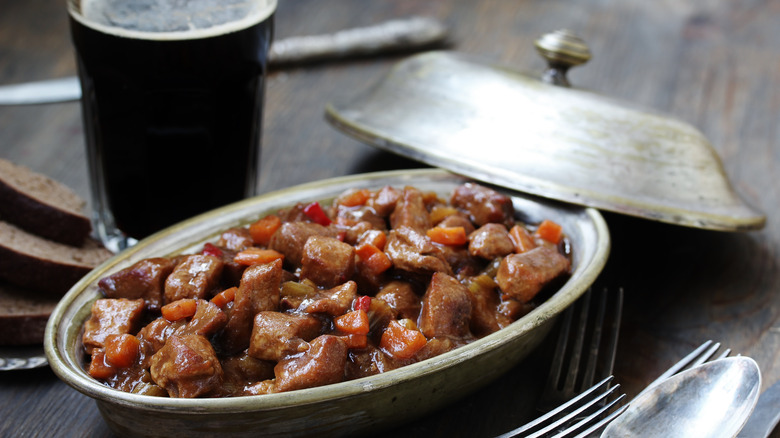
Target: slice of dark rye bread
[
  {"x": 41, "y": 205},
  {"x": 23, "y": 315},
  {"x": 30, "y": 261}
]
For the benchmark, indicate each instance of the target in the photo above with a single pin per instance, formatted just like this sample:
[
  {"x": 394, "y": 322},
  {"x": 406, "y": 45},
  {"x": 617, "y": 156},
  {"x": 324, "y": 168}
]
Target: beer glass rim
[{"x": 261, "y": 11}]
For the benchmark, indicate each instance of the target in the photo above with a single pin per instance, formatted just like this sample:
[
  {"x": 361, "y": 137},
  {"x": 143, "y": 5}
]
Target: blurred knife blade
[
  {"x": 52, "y": 90},
  {"x": 765, "y": 416},
  {"x": 391, "y": 36}
]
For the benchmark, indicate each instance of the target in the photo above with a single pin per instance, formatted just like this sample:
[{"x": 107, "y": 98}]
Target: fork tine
[
  {"x": 614, "y": 330},
  {"x": 603, "y": 422},
  {"x": 569, "y": 386},
  {"x": 701, "y": 354},
  {"x": 602, "y": 402},
  {"x": 584, "y": 351},
  {"x": 595, "y": 340},
  {"x": 569, "y": 395},
  {"x": 603, "y": 353},
  {"x": 690, "y": 358},
  {"x": 571, "y": 407},
  {"x": 556, "y": 367}
]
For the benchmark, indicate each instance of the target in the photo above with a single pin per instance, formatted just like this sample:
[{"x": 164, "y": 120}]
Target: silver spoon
[{"x": 711, "y": 400}]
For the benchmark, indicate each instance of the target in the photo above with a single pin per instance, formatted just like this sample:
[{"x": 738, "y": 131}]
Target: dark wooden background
[{"x": 714, "y": 64}]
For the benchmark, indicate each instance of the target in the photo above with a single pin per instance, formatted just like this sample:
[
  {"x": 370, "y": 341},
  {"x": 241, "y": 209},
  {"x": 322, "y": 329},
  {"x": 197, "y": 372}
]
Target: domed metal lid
[{"x": 542, "y": 137}]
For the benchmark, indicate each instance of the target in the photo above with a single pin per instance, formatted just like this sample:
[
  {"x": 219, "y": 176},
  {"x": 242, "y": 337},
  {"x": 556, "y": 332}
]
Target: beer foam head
[{"x": 170, "y": 19}]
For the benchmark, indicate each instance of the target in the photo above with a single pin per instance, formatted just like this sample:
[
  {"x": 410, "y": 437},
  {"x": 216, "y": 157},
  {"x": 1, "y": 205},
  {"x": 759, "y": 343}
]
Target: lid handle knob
[{"x": 562, "y": 50}]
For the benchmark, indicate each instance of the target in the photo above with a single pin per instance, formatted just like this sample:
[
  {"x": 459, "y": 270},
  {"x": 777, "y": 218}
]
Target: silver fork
[
  {"x": 703, "y": 353},
  {"x": 570, "y": 395}
]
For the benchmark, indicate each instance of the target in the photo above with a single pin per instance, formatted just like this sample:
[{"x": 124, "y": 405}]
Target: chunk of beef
[
  {"x": 258, "y": 291},
  {"x": 400, "y": 295},
  {"x": 142, "y": 384},
  {"x": 277, "y": 335},
  {"x": 187, "y": 367},
  {"x": 293, "y": 214},
  {"x": 385, "y": 200},
  {"x": 235, "y": 239},
  {"x": 244, "y": 370},
  {"x": 510, "y": 310},
  {"x": 144, "y": 279},
  {"x": 207, "y": 321},
  {"x": 485, "y": 301},
  {"x": 326, "y": 261},
  {"x": 410, "y": 211},
  {"x": 412, "y": 251},
  {"x": 350, "y": 232},
  {"x": 154, "y": 335},
  {"x": 380, "y": 313},
  {"x": 195, "y": 277},
  {"x": 260, "y": 284},
  {"x": 522, "y": 276},
  {"x": 334, "y": 301},
  {"x": 322, "y": 364},
  {"x": 363, "y": 215},
  {"x": 259, "y": 388},
  {"x": 111, "y": 316},
  {"x": 293, "y": 294},
  {"x": 483, "y": 205},
  {"x": 368, "y": 362},
  {"x": 290, "y": 238},
  {"x": 435, "y": 347},
  {"x": 490, "y": 241},
  {"x": 460, "y": 261},
  {"x": 446, "y": 308},
  {"x": 457, "y": 220}
]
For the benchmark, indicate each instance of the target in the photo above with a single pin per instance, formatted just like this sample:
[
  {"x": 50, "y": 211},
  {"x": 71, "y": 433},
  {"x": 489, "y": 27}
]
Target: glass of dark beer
[{"x": 172, "y": 100}]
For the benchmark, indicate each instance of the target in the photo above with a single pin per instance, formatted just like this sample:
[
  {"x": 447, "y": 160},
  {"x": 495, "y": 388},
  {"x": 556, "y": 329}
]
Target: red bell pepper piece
[
  {"x": 315, "y": 212},
  {"x": 211, "y": 249},
  {"x": 362, "y": 302}
]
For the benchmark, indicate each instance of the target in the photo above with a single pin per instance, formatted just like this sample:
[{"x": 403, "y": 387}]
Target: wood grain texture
[{"x": 710, "y": 63}]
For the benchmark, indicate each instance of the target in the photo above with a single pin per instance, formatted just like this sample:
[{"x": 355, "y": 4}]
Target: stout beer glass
[{"x": 172, "y": 99}]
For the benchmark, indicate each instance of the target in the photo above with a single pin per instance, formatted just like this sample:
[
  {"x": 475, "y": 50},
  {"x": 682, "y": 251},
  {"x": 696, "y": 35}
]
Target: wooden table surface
[{"x": 713, "y": 64}]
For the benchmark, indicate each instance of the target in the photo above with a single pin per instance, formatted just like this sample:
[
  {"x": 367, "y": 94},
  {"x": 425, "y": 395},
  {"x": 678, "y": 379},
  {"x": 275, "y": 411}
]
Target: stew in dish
[{"x": 318, "y": 294}]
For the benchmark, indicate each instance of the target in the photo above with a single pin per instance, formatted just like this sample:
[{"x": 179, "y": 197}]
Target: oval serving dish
[{"x": 343, "y": 408}]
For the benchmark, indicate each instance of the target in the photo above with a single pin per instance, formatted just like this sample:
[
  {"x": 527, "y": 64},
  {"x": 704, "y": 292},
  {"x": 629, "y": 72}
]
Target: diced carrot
[
  {"x": 262, "y": 229},
  {"x": 373, "y": 258},
  {"x": 221, "y": 299},
  {"x": 408, "y": 323},
  {"x": 356, "y": 341},
  {"x": 447, "y": 235},
  {"x": 522, "y": 239},
  {"x": 122, "y": 350},
  {"x": 550, "y": 231},
  {"x": 400, "y": 341},
  {"x": 257, "y": 256},
  {"x": 354, "y": 198},
  {"x": 354, "y": 322},
  {"x": 98, "y": 368},
  {"x": 362, "y": 302},
  {"x": 179, "y": 309},
  {"x": 378, "y": 238},
  {"x": 439, "y": 212}
]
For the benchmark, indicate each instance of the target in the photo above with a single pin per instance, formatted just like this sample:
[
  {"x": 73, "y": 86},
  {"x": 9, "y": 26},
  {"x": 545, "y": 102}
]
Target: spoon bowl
[{"x": 711, "y": 400}]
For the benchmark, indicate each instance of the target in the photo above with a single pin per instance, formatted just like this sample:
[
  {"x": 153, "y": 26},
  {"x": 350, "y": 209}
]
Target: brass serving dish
[
  {"x": 542, "y": 137},
  {"x": 334, "y": 410}
]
